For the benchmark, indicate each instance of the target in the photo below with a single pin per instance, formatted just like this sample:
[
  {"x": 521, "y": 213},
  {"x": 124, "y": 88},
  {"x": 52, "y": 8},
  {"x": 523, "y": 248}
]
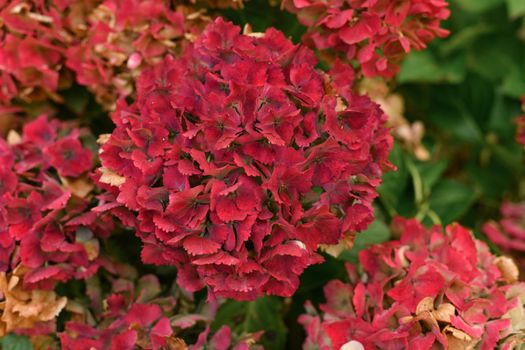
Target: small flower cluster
[
  {"x": 375, "y": 34},
  {"x": 123, "y": 37},
  {"x": 427, "y": 290},
  {"x": 509, "y": 232},
  {"x": 135, "y": 316},
  {"x": 45, "y": 199},
  {"x": 105, "y": 43},
  {"x": 32, "y": 311},
  {"x": 239, "y": 158},
  {"x": 31, "y": 51}
]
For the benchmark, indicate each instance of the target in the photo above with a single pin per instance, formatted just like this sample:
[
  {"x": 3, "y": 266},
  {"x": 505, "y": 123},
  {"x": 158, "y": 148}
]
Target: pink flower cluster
[
  {"x": 105, "y": 43},
  {"x": 430, "y": 289},
  {"x": 142, "y": 326},
  {"x": 377, "y": 34},
  {"x": 238, "y": 159},
  {"x": 136, "y": 316},
  {"x": 509, "y": 232},
  {"x": 31, "y": 54},
  {"x": 122, "y": 38},
  {"x": 45, "y": 220}
]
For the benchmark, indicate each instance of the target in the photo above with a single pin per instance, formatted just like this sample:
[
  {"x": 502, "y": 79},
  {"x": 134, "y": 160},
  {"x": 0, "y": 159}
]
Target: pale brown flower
[{"x": 22, "y": 309}]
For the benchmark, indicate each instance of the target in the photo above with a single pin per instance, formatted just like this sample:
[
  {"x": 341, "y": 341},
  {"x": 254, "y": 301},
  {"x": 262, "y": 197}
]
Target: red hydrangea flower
[
  {"x": 45, "y": 201},
  {"x": 430, "y": 289},
  {"x": 106, "y": 43},
  {"x": 31, "y": 50},
  {"x": 136, "y": 316},
  {"x": 509, "y": 232},
  {"x": 122, "y": 38},
  {"x": 375, "y": 34},
  {"x": 238, "y": 158}
]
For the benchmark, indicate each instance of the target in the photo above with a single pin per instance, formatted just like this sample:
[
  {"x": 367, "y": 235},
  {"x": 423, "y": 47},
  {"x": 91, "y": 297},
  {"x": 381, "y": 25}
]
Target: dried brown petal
[
  {"x": 426, "y": 304},
  {"x": 13, "y": 138},
  {"x": 103, "y": 138},
  {"x": 444, "y": 312},
  {"x": 456, "y": 333},
  {"x": 347, "y": 242},
  {"x": 174, "y": 343},
  {"x": 80, "y": 187},
  {"x": 111, "y": 178},
  {"x": 42, "y": 342},
  {"x": 459, "y": 344},
  {"x": 23, "y": 308},
  {"x": 508, "y": 268}
]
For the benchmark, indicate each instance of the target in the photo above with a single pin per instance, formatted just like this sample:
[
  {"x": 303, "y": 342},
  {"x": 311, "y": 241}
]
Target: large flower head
[
  {"x": 375, "y": 34},
  {"x": 45, "y": 199},
  {"x": 238, "y": 158},
  {"x": 430, "y": 289}
]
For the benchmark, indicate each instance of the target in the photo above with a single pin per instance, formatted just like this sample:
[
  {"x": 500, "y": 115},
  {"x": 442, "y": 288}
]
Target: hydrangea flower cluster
[
  {"x": 432, "y": 288},
  {"x": 123, "y": 37},
  {"x": 509, "y": 232},
  {"x": 106, "y": 43},
  {"x": 375, "y": 34},
  {"x": 45, "y": 199},
  {"x": 239, "y": 158},
  {"x": 31, "y": 54},
  {"x": 136, "y": 316}
]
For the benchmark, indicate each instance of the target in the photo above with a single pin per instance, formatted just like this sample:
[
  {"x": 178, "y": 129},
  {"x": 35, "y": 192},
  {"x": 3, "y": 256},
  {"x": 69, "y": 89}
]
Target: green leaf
[
  {"x": 430, "y": 173},
  {"x": 514, "y": 84},
  {"x": 376, "y": 233},
  {"x": 504, "y": 110},
  {"x": 423, "y": 67},
  {"x": 450, "y": 199},
  {"x": 262, "y": 314},
  {"x": 76, "y": 99},
  {"x": 15, "y": 342},
  {"x": 457, "y": 123},
  {"x": 495, "y": 56},
  {"x": 394, "y": 183},
  {"x": 460, "y": 40},
  {"x": 479, "y": 6},
  {"x": 516, "y": 8}
]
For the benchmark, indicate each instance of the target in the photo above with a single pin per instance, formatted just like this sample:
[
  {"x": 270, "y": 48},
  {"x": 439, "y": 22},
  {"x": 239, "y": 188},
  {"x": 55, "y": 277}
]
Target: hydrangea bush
[
  {"x": 46, "y": 197},
  {"x": 102, "y": 45},
  {"x": 375, "y": 34},
  {"x": 430, "y": 288},
  {"x": 187, "y": 174}
]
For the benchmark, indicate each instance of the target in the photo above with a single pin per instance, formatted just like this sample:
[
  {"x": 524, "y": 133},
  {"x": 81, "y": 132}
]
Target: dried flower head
[{"x": 26, "y": 310}]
